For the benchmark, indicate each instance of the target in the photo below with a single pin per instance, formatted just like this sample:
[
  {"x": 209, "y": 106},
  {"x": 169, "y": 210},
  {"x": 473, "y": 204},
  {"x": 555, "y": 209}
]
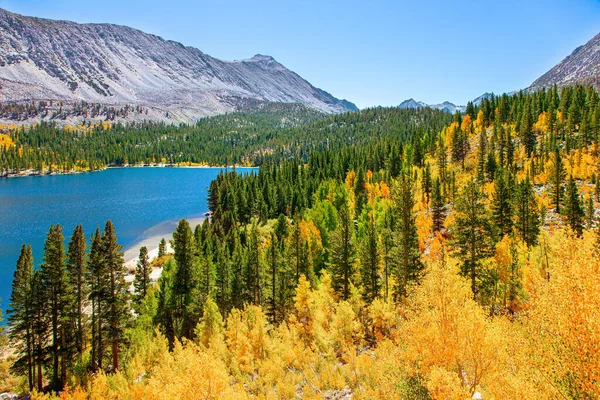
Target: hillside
[
  {"x": 432, "y": 257},
  {"x": 270, "y": 132},
  {"x": 43, "y": 59}
]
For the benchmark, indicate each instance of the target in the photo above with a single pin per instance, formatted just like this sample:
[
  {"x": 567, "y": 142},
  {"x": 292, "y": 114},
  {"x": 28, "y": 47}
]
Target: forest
[
  {"x": 377, "y": 254},
  {"x": 250, "y": 138}
]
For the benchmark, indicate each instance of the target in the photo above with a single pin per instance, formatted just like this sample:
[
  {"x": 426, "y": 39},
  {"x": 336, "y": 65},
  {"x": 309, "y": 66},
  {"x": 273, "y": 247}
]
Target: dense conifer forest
[
  {"x": 383, "y": 253},
  {"x": 272, "y": 133}
]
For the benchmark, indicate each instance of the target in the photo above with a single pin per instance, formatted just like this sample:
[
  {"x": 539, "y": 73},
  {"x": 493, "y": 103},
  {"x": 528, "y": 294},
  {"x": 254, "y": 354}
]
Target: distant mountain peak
[
  {"x": 261, "y": 57},
  {"x": 445, "y": 106},
  {"x": 42, "y": 59}
]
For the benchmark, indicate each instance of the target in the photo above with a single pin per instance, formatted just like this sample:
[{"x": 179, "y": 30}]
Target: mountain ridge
[
  {"x": 582, "y": 66},
  {"x": 42, "y": 59}
]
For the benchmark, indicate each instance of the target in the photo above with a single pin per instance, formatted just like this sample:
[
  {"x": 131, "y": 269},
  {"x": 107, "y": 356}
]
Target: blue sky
[{"x": 371, "y": 52}]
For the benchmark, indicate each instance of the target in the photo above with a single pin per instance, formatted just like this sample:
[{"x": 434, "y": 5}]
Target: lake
[{"x": 141, "y": 202}]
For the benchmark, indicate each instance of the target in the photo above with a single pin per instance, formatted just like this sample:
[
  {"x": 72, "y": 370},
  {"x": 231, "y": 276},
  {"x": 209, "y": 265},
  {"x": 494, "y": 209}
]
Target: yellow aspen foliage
[
  {"x": 424, "y": 223},
  {"x": 467, "y": 125},
  {"x": 446, "y": 330},
  {"x": 543, "y": 124},
  {"x": 564, "y": 317},
  {"x": 384, "y": 319},
  {"x": 210, "y": 329},
  {"x": 479, "y": 124},
  {"x": 191, "y": 373}
]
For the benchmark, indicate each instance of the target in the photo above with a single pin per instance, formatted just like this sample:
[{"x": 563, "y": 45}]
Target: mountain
[
  {"x": 43, "y": 59},
  {"x": 412, "y": 103},
  {"x": 445, "y": 106},
  {"x": 581, "y": 66}
]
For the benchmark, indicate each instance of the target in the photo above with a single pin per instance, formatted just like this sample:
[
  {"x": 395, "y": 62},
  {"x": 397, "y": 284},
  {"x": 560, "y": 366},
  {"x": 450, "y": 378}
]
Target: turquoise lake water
[{"x": 140, "y": 202}]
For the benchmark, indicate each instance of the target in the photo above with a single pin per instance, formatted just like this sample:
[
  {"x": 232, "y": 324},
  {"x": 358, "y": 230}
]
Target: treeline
[
  {"x": 251, "y": 138},
  {"x": 59, "y": 110}
]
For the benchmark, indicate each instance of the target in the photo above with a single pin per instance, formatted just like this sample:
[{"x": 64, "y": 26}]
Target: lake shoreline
[
  {"x": 131, "y": 253},
  {"x": 34, "y": 173}
]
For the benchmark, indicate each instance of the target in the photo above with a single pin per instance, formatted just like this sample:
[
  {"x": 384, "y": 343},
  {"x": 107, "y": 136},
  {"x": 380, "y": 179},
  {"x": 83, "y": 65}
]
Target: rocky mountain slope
[
  {"x": 43, "y": 59},
  {"x": 581, "y": 66}
]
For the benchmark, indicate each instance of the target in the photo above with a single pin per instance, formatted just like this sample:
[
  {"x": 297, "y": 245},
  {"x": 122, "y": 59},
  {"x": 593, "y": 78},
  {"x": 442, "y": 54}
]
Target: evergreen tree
[
  {"x": 20, "y": 315},
  {"x": 573, "y": 208},
  {"x": 437, "y": 206},
  {"x": 59, "y": 290},
  {"x": 162, "y": 248},
  {"x": 117, "y": 293},
  {"x": 472, "y": 233},
  {"x": 142, "y": 280},
  {"x": 41, "y": 323},
  {"x": 481, "y": 154},
  {"x": 590, "y": 212},
  {"x": 527, "y": 216},
  {"x": 254, "y": 273},
  {"x": 556, "y": 179},
  {"x": 526, "y": 132},
  {"x": 96, "y": 276},
  {"x": 407, "y": 253},
  {"x": 342, "y": 253},
  {"x": 426, "y": 183},
  {"x": 76, "y": 266},
  {"x": 273, "y": 261},
  {"x": 185, "y": 278},
  {"x": 502, "y": 205},
  {"x": 164, "y": 313},
  {"x": 369, "y": 255},
  {"x": 223, "y": 279},
  {"x": 360, "y": 192}
]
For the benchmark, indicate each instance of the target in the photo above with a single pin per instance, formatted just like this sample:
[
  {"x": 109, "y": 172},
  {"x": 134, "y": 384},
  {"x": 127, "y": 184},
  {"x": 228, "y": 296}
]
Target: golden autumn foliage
[{"x": 438, "y": 343}]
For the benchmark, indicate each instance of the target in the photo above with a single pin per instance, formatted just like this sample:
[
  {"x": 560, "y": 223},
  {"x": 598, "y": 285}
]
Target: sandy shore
[{"x": 151, "y": 240}]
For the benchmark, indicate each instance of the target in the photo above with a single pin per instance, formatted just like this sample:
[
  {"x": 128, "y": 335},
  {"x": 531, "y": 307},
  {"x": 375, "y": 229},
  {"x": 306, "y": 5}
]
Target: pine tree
[
  {"x": 76, "y": 266},
  {"x": 590, "y": 212},
  {"x": 360, "y": 192},
  {"x": 442, "y": 160},
  {"x": 41, "y": 323},
  {"x": 273, "y": 262},
  {"x": 573, "y": 209},
  {"x": 556, "y": 179},
  {"x": 502, "y": 205},
  {"x": 426, "y": 183},
  {"x": 164, "y": 311},
  {"x": 527, "y": 217},
  {"x": 472, "y": 232},
  {"x": 117, "y": 293},
  {"x": 407, "y": 253},
  {"x": 223, "y": 279},
  {"x": 185, "y": 279},
  {"x": 162, "y": 248},
  {"x": 342, "y": 253},
  {"x": 254, "y": 273},
  {"x": 526, "y": 132},
  {"x": 96, "y": 276},
  {"x": 56, "y": 281},
  {"x": 298, "y": 253},
  {"x": 369, "y": 255},
  {"x": 20, "y": 315},
  {"x": 481, "y": 154},
  {"x": 142, "y": 280},
  {"x": 437, "y": 206}
]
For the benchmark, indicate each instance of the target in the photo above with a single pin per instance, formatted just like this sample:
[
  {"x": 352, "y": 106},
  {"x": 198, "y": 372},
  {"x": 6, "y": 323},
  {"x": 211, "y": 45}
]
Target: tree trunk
[{"x": 115, "y": 348}]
